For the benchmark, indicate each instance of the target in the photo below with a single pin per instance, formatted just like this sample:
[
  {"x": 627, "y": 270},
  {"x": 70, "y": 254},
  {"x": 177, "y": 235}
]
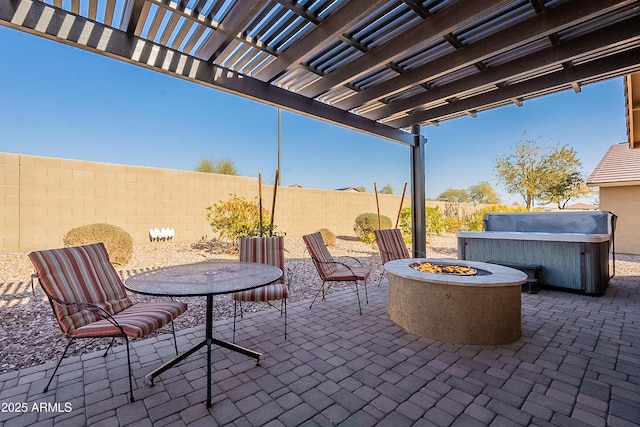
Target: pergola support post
[{"x": 418, "y": 194}]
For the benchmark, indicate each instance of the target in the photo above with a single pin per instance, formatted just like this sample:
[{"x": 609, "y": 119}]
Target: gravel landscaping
[{"x": 29, "y": 334}]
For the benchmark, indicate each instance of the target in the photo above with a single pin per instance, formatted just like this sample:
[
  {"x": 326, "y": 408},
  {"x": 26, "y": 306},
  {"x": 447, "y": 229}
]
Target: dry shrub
[
  {"x": 366, "y": 223},
  {"x": 118, "y": 242},
  {"x": 328, "y": 237}
]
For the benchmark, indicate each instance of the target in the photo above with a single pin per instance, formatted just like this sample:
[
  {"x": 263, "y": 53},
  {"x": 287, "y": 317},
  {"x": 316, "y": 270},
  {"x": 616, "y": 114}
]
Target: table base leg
[
  {"x": 207, "y": 342},
  {"x": 171, "y": 363},
  {"x": 238, "y": 349}
]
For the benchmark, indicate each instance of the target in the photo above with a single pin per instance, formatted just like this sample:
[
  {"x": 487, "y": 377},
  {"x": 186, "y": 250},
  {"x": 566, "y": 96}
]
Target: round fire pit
[{"x": 456, "y": 301}]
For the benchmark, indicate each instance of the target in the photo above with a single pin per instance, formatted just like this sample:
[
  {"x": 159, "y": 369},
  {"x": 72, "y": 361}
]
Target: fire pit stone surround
[{"x": 478, "y": 309}]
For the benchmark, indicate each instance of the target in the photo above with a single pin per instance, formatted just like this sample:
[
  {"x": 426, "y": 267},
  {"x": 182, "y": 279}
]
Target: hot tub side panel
[{"x": 577, "y": 266}]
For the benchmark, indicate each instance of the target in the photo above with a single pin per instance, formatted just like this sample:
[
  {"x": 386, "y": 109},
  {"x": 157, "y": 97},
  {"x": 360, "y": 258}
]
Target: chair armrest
[
  {"x": 353, "y": 258},
  {"x": 350, "y": 268}
]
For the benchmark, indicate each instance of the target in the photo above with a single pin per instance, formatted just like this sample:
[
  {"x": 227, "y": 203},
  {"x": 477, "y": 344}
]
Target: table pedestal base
[{"x": 206, "y": 342}]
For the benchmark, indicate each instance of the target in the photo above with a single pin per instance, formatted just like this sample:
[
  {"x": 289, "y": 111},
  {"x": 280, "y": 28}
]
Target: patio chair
[
  {"x": 391, "y": 246},
  {"x": 89, "y": 299},
  {"x": 330, "y": 270},
  {"x": 265, "y": 250}
]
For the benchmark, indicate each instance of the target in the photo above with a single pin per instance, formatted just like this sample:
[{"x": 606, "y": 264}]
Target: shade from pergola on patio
[{"x": 377, "y": 66}]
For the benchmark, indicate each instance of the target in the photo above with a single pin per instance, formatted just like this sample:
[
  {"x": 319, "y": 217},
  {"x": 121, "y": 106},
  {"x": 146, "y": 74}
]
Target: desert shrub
[
  {"x": 238, "y": 217},
  {"x": 328, "y": 237},
  {"x": 117, "y": 242},
  {"x": 453, "y": 225},
  {"x": 435, "y": 221},
  {"x": 405, "y": 224},
  {"x": 366, "y": 223},
  {"x": 457, "y": 216}
]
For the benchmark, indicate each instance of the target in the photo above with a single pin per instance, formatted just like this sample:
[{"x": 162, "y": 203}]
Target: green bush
[
  {"x": 435, "y": 222},
  {"x": 366, "y": 223},
  {"x": 405, "y": 224},
  {"x": 453, "y": 225},
  {"x": 117, "y": 242},
  {"x": 238, "y": 217},
  {"x": 475, "y": 223},
  {"x": 457, "y": 216},
  {"x": 328, "y": 237}
]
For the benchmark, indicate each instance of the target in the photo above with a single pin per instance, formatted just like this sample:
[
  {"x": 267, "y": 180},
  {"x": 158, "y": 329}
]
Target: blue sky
[{"x": 59, "y": 101}]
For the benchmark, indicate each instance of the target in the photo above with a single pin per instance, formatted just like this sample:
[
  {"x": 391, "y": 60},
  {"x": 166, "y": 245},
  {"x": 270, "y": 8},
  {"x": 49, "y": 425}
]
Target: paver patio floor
[{"x": 577, "y": 363}]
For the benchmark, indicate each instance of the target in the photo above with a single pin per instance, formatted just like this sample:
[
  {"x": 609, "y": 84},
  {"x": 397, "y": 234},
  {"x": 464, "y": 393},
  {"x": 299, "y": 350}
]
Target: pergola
[{"x": 384, "y": 67}]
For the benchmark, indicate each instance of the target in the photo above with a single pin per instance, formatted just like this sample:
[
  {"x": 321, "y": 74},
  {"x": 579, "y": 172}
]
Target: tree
[
  {"x": 538, "y": 173},
  {"x": 205, "y": 165},
  {"x": 387, "y": 189},
  {"x": 454, "y": 195},
  {"x": 565, "y": 180},
  {"x": 483, "y": 193},
  {"x": 223, "y": 166}
]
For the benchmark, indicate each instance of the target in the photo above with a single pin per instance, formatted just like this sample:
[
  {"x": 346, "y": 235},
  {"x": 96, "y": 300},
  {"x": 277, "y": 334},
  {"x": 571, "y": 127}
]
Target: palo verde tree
[
  {"x": 539, "y": 173},
  {"x": 482, "y": 192},
  {"x": 454, "y": 195},
  {"x": 223, "y": 166},
  {"x": 387, "y": 189},
  {"x": 565, "y": 181}
]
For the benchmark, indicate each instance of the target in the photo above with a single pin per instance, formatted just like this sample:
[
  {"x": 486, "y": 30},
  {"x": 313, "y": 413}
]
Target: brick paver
[{"x": 577, "y": 363}]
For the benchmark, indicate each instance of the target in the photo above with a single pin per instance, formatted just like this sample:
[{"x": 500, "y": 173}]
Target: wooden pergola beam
[
  {"x": 427, "y": 31},
  {"x": 613, "y": 64},
  {"x": 510, "y": 38},
  {"x": 553, "y": 55}
]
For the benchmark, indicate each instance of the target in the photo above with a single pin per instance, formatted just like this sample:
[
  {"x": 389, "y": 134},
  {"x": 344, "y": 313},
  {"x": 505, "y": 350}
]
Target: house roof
[
  {"x": 619, "y": 166},
  {"x": 580, "y": 207},
  {"x": 378, "y": 66}
]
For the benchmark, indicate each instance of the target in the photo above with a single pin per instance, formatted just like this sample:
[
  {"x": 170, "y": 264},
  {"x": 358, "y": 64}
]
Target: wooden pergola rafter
[{"x": 384, "y": 67}]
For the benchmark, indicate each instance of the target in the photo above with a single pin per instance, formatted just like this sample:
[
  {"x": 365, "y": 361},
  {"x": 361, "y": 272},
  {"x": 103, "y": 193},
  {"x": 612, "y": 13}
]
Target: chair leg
[
  {"x": 316, "y": 295},
  {"x": 381, "y": 276},
  {"x": 110, "y": 345},
  {"x": 130, "y": 373},
  {"x": 358, "y": 295},
  {"x": 58, "y": 365},
  {"x": 235, "y": 309},
  {"x": 284, "y": 302},
  {"x": 366, "y": 294},
  {"x": 175, "y": 341}
]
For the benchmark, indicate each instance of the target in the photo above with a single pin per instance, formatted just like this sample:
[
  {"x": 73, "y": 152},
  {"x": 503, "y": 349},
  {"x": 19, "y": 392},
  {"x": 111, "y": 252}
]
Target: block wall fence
[{"x": 43, "y": 198}]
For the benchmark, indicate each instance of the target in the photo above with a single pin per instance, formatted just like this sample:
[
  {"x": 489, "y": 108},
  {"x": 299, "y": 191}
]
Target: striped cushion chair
[
  {"x": 330, "y": 270},
  {"x": 90, "y": 301},
  {"x": 391, "y": 246},
  {"x": 264, "y": 250}
]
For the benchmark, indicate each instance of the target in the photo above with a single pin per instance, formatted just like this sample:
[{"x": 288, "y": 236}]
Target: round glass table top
[{"x": 203, "y": 278}]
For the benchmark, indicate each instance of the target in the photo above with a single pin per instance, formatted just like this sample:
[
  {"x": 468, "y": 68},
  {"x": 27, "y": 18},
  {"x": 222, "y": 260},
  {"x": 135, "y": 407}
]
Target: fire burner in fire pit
[
  {"x": 448, "y": 269},
  {"x": 456, "y": 270}
]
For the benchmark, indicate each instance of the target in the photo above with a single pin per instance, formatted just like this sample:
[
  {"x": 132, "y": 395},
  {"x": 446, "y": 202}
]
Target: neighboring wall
[
  {"x": 43, "y": 198},
  {"x": 624, "y": 201}
]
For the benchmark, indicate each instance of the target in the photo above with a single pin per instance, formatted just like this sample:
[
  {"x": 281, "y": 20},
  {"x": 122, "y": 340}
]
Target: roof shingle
[{"x": 620, "y": 165}]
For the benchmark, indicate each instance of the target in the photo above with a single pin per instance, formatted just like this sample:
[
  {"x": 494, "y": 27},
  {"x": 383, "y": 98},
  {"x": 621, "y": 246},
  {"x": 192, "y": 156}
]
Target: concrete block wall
[{"x": 43, "y": 198}]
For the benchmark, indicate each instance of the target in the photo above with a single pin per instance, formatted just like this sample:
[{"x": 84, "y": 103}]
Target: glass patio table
[{"x": 207, "y": 279}]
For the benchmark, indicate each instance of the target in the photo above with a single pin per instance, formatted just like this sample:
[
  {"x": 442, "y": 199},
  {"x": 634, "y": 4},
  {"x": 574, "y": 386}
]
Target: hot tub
[
  {"x": 571, "y": 248},
  {"x": 478, "y": 309}
]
